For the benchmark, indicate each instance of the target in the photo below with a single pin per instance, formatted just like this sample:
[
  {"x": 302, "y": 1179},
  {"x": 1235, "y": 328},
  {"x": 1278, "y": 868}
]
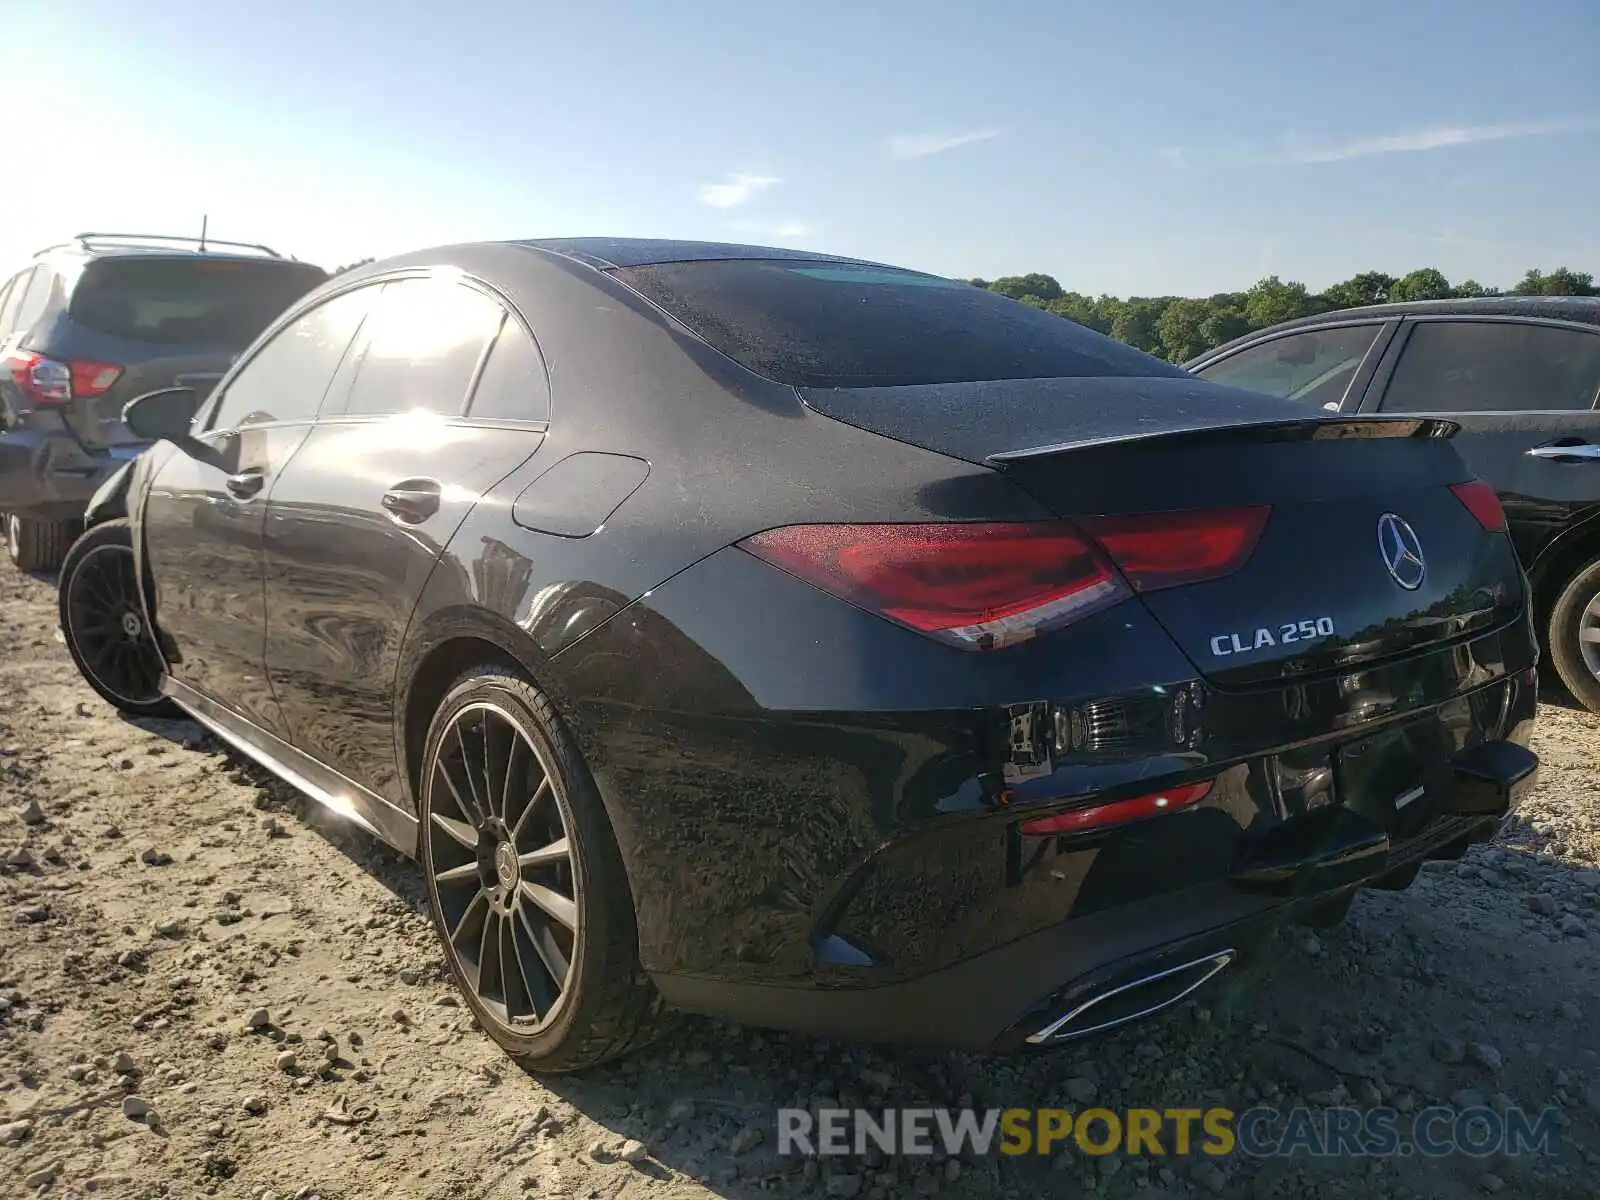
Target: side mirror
[{"x": 163, "y": 415}]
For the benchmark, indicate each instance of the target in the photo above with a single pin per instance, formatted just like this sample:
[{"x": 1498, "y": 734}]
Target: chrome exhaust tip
[{"x": 1133, "y": 1000}]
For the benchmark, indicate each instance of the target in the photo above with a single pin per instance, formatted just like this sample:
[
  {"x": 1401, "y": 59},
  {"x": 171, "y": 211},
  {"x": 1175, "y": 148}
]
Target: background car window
[
  {"x": 10, "y": 298},
  {"x": 35, "y": 298},
  {"x": 1489, "y": 366},
  {"x": 419, "y": 348},
  {"x": 188, "y": 301},
  {"x": 513, "y": 385},
  {"x": 849, "y": 325},
  {"x": 285, "y": 380},
  {"x": 1316, "y": 366}
]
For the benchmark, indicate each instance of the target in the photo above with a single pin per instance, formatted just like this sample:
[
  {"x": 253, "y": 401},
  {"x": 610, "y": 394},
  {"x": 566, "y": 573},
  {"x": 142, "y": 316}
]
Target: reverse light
[
  {"x": 1162, "y": 550},
  {"x": 1118, "y": 812},
  {"x": 1482, "y": 502},
  {"x": 49, "y": 383},
  {"x": 977, "y": 586}
]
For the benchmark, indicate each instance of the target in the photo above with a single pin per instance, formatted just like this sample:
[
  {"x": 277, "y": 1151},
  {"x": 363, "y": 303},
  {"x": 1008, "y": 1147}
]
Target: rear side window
[
  {"x": 812, "y": 324},
  {"x": 11, "y": 300},
  {"x": 419, "y": 349},
  {"x": 188, "y": 301},
  {"x": 35, "y": 298},
  {"x": 1494, "y": 366},
  {"x": 285, "y": 379},
  {"x": 513, "y": 386},
  {"x": 1315, "y": 366}
]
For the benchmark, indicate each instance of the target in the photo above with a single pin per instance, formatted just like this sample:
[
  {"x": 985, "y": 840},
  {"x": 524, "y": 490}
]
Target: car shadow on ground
[{"x": 277, "y": 800}]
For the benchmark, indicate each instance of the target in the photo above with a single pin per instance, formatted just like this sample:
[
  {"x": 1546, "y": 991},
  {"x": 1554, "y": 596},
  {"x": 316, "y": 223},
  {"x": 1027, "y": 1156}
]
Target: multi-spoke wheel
[
  {"x": 104, "y": 623},
  {"x": 526, "y": 884},
  {"x": 1575, "y": 636}
]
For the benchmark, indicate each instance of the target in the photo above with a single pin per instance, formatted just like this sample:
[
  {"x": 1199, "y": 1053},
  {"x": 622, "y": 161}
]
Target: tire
[
  {"x": 104, "y": 624},
  {"x": 603, "y": 1004},
  {"x": 38, "y": 545},
  {"x": 1575, "y": 618}
]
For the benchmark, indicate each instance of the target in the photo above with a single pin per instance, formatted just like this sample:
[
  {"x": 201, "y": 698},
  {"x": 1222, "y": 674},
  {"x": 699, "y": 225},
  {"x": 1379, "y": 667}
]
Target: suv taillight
[{"x": 50, "y": 383}]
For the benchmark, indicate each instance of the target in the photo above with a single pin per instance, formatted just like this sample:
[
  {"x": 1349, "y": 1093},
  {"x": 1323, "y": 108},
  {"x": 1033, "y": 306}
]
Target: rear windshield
[
  {"x": 814, "y": 324},
  {"x": 188, "y": 301}
]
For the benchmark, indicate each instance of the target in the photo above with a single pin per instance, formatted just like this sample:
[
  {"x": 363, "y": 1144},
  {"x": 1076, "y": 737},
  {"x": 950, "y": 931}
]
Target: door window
[
  {"x": 1315, "y": 366},
  {"x": 513, "y": 385},
  {"x": 286, "y": 378},
  {"x": 419, "y": 349},
  {"x": 1494, "y": 366}
]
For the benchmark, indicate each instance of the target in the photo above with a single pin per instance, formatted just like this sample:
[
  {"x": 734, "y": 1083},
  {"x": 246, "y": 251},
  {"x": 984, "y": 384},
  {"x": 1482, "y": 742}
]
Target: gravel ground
[{"x": 208, "y": 986}]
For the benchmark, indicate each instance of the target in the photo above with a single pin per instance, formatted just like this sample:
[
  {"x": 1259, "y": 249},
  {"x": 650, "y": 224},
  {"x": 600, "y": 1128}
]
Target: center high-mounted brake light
[
  {"x": 1118, "y": 812},
  {"x": 991, "y": 585},
  {"x": 49, "y": 383},
  {"x": 1482, "y": 502}
]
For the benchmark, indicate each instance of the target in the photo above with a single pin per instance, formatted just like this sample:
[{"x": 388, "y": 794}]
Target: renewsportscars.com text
[{"x": 1257, "y": 1132}]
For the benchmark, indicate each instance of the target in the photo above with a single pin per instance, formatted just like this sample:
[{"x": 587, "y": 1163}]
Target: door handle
[
  {"x": 1586, "y": 451},
  {"x": 412, "y": 501},
  {"x": 245, "y": 484}
]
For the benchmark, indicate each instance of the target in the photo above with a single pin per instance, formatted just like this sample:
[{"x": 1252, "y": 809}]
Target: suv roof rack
[{"x": 94, "y": 241}]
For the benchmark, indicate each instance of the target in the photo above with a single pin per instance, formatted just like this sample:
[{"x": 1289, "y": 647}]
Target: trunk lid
[{"x": 1349, "y": 497}]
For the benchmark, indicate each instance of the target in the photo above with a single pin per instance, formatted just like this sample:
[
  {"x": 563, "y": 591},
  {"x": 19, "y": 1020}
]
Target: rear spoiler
[{"x": 1309, "y": 429}]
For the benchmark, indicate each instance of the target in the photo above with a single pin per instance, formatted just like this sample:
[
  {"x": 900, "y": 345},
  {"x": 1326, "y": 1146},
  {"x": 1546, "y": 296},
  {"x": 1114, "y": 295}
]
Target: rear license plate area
[{"x": 1396, "y": 779}]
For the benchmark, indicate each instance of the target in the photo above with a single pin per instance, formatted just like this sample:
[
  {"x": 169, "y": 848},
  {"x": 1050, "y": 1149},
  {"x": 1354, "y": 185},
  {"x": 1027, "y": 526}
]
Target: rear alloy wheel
[
  {"x": 38, "y": 545},
  {"x": 1575, "y": 636},
  {"x": 525, "y": 881},
  {"x": 104, "y": 623}
]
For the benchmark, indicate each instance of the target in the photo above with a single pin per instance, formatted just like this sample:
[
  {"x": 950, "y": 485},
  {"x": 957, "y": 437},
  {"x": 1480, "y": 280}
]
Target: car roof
[
  {"x": 94, "y": 247},
  {"x": 607, "y": 253},
  {"x": 1584, "y": 309}
]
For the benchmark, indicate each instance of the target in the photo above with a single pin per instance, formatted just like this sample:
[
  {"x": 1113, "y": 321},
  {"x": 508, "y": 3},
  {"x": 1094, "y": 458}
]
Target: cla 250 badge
[{"x": 1224, "y": 644}]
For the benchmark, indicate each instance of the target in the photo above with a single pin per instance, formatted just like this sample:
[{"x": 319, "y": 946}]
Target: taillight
[
  {"x": 93, "y": 378},
  {"x": 49, "y": 383},
  {"x": 1118, "y": 812},
  {"x": 1161, "y": 550},
  {"x": 977, "y": 586},
  {"x": 1482, "y": 502}
]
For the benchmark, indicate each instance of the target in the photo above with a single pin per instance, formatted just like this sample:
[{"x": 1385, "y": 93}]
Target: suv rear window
[
  {"x": 822, "y": 324},
  {"x": 188, "y": 301}
]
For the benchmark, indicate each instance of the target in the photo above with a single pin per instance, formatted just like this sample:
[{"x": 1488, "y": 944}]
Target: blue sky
[{"x": 1143, "y": 147}]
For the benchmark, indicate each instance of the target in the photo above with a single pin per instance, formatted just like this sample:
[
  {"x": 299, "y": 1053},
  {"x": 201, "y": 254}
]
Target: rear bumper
[
  {"x": 823, "y": 816},
  {"x": 1015, "y": 997},
  {"x": 50, "y": 476}
]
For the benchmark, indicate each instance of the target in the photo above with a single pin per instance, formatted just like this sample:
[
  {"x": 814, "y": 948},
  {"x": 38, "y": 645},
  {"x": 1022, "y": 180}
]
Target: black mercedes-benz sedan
[{"x": 811, "y": 642}]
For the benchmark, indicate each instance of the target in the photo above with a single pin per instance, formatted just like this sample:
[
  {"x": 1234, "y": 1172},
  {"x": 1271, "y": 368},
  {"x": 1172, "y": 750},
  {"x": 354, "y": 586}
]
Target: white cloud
[
  {"x": 735, "y": 189},
  {"x": 1434, "y": 138},
  {"x": 920, "y": 145},
  {"x": 1173, "y": 156}
]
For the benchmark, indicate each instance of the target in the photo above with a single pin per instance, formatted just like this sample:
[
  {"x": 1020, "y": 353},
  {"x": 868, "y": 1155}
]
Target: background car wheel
[
  {"x": 38, "y": 545},
  {"x": 525, "y": 881},
  {"x": 1575, "y": 636},
  {"x": 104, "y": 624}
]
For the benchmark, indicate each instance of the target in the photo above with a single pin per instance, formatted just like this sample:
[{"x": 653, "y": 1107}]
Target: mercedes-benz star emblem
[{"x": 1401, "y": 551}]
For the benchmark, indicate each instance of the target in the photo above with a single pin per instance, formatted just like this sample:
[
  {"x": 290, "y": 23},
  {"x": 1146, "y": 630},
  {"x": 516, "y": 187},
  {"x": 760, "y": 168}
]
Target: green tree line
[{"x": 1178, "y": 328}]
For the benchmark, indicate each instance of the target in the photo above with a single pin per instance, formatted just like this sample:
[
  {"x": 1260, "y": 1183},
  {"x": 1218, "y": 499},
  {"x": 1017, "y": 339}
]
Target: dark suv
[
  {"x": 91, "y": 323},
  {"x": 1520, "y": 375}
]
